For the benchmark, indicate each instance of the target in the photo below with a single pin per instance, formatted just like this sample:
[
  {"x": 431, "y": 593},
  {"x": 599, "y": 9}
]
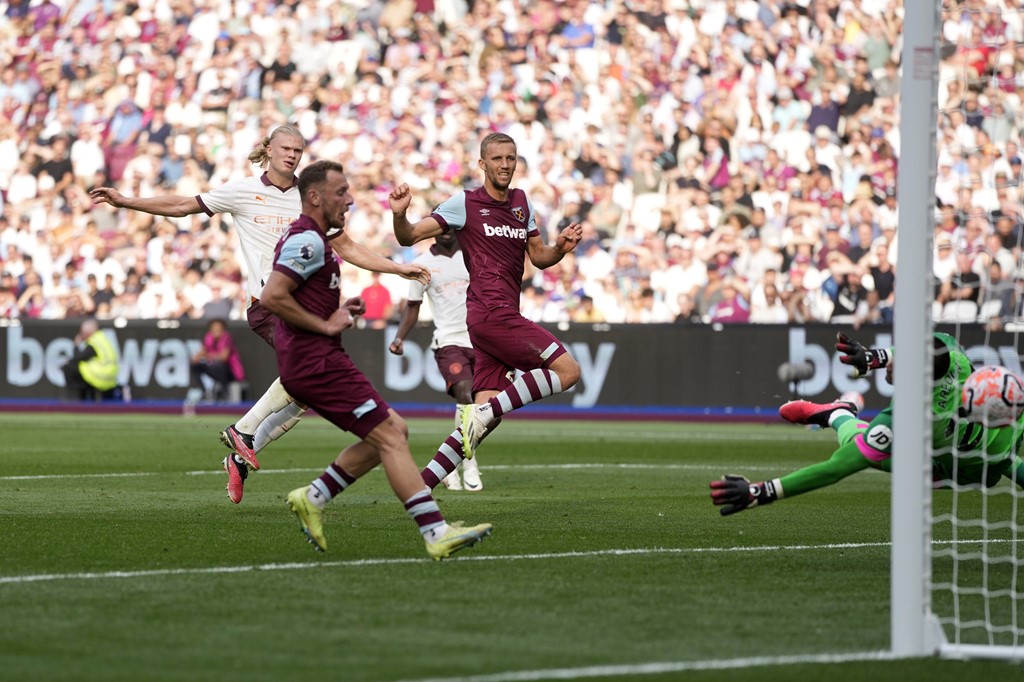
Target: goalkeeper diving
[{"x": 965, "y": 453}]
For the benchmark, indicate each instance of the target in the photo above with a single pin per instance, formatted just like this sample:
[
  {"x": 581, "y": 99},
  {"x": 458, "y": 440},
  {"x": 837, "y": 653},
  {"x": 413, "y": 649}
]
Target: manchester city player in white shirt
[{"x": 453, "y": 352}]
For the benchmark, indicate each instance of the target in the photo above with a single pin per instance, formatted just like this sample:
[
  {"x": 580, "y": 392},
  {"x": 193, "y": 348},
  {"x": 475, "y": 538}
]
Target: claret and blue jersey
[
  {"x": 493, "y": 236},
  {"x": 304, "y": 256}
]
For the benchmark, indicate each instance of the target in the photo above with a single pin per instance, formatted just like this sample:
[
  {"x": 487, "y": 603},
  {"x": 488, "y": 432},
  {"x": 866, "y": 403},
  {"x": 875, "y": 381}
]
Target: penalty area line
[{"x": 629, "y": 670}]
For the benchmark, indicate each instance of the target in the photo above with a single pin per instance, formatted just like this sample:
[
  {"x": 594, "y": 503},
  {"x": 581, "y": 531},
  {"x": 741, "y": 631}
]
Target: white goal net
[{"x": 969, "y": 176}]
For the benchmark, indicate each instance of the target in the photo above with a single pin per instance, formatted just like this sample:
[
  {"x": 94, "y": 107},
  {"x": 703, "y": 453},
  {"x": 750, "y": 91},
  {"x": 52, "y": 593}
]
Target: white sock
[
  {"x": 838, "y": 413},
  {"x": 276, "y": 398},
  {"x": 276, "y": 425},
  {"x": 316, "y": 498},
  {"x": 436, "y": 533},
  {"x": 486, "y": 412}
]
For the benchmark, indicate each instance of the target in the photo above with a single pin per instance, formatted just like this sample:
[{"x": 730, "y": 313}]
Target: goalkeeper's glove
[
  {"x": 862, "y": 359},
  {"x": 735, "y": 493}
]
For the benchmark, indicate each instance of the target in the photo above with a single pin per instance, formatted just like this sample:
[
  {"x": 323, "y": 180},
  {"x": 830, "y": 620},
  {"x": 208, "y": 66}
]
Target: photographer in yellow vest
[{"x": 94, "y": 366}]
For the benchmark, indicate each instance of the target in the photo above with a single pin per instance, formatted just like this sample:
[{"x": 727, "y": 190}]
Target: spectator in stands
[
  {"x": 732, "y": 307},
  {"x": 850, "y": 302},
  {"x": 767, "y": 307},
  {"x": 379, "y": 307},
  {"x": 963, "y": 284},
  {"x": 586, "y": 312},
  {"x": 9, "y": 308},
  {"x": 999, "y": 294},
  {"x": 120, "y": 140},
  {"x": 648, "y": 309},
  {"x": 743, "y": 106},
  {"x": 686, "y": 311}
]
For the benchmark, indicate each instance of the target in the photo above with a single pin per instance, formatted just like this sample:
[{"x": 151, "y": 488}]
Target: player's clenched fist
[{"x": 399, "y": 198}]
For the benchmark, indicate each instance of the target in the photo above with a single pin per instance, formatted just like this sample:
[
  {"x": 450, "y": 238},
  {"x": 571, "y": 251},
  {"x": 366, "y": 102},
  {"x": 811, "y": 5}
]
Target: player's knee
[
  {"x": 397, "y": 427},
  {"x": 568, "y": 373}
]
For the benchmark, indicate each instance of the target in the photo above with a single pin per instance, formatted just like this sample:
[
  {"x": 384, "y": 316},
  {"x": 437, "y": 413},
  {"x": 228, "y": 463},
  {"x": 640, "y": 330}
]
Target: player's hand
[
  {"x": 106, "y": 195},
  {"x": 415, "y": 272},
  {"x": 861, "y": 358},
  {"x": 735, "y": 493},
  {"x": 569, "y": 238},
  {"x": 732, "y": 494},
  {"x": 396, "y": 346},
  {"x": 356, "y": 306},
  {"x": 400, "y": 198},
  {"x": 338, "y": 322}
]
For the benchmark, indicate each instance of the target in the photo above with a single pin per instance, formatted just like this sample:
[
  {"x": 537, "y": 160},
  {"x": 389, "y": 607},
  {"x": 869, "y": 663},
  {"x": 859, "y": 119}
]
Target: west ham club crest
[{"x": 519, "y": 213}]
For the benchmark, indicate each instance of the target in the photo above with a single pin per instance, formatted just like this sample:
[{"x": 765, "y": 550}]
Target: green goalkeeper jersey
[{"x": 962, "y": 452}]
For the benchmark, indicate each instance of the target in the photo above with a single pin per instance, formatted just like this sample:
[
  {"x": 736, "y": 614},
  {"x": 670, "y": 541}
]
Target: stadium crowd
[{"x": 730, "y": 160}]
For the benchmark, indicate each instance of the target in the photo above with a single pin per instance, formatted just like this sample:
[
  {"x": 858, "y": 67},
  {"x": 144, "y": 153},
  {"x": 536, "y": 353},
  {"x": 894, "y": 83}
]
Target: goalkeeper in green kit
[{"x": 964, "y": 453}]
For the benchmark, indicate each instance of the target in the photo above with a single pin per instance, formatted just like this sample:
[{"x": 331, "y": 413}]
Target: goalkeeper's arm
[{"x": 735, "y": 493}]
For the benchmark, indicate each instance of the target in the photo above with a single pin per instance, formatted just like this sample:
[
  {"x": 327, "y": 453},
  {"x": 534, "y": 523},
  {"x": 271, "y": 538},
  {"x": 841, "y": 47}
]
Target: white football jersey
[
  {"x": 446, "y": 292},
  {"x": 262, "y": 213}
]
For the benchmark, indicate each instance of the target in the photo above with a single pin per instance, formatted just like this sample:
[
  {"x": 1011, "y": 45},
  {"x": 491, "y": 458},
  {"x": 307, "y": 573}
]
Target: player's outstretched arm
[
  {"x": 409, "y": 317},
  {"x": 173, "y": 206},
  {"x": 735, "y": 493},
  {"x": 544, "y": 255},
  {"x": 408, "y": 233},
  {"x": 368, "y": 259}
]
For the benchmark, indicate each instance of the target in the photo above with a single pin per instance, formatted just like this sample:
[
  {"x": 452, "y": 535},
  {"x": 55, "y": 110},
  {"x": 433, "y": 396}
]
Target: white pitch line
[
  {"x": 355, "y": 563},
  {"x": 489, "y": 467},
  {"x": 803, "y": 436},
  {"x": 46, "y": 477},
  {"x": 628, "y": 670},
  {"x": 532, "y": 467}
]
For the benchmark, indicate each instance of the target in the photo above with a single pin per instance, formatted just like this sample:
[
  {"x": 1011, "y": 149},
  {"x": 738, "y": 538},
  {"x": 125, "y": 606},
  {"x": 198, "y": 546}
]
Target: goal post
[
  {"x": 913, "y": 632},
  {"x": 957, "y": 575}
]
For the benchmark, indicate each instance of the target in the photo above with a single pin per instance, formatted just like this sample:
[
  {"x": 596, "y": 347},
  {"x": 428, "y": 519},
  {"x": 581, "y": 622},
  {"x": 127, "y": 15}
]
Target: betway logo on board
[
  {"x": 416, "y": 366},
  {"x": 144, "y": 362},
  {"x": 504, "y": 231},
  {"x": 831, "y": 377}
]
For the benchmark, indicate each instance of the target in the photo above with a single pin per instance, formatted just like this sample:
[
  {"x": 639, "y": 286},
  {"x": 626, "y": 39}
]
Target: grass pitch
[{"x": 122, "y": 559}]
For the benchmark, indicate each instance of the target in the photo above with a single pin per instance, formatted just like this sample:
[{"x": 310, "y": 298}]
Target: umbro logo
[{"x": 485, "y": 211}]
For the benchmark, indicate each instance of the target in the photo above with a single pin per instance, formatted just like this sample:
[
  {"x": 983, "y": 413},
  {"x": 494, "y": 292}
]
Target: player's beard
[{"x": 500, "y": 184}]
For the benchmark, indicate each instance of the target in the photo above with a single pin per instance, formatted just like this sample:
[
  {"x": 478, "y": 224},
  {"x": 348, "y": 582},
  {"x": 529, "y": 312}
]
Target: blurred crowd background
[{"x": 731, "y": 161}]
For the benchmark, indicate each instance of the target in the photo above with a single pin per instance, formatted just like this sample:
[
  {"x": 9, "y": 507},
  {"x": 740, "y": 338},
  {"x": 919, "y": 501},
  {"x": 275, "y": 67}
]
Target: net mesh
[{"x": 976, "y": 562}]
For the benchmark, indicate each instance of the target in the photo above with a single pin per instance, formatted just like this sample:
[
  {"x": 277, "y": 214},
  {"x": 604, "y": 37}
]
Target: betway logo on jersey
[{"x": 504, "y": 231}]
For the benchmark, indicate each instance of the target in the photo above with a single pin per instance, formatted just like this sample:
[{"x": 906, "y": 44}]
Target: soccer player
[
  {"x": 965, "y": 453},
  {"x": 303, "y": 290},
  {"x": 453, "y": 352},
  {"x": 262, "y": 208},
  {"x": 497, "y": 230}
]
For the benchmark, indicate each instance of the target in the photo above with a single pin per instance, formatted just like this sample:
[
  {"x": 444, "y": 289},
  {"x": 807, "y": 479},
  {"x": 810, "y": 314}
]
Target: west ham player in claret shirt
[
  {"x": 303, "y": 290},
  {"x": 496, "y": 229}
]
